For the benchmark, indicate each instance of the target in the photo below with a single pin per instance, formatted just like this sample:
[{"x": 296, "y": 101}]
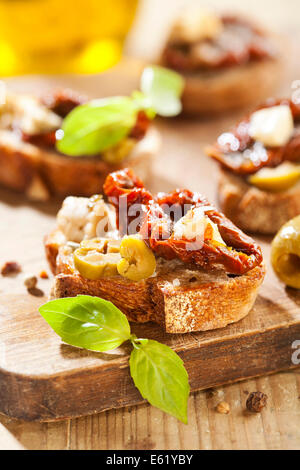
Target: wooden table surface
[{"x": 144, "y": 427}]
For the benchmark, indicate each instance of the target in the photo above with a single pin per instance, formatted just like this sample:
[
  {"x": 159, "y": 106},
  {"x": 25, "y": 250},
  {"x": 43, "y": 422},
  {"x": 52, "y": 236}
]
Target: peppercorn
[{"x": 256, "y": 401}]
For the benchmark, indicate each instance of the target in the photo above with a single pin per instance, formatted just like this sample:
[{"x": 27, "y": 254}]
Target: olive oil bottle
[{"x": 62, "y": 36}]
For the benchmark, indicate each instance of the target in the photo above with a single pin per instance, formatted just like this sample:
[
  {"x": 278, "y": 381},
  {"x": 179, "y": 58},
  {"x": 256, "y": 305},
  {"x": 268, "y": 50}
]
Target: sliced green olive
[
  {"x": 138, "y": 262},
  {"x": 276, "y": 179},
  {"x": 94, "y": 265},
  {"x": 285, "y": 253},
  {"x": 97, "y": 258},
  {"x": 113, "y": 246},
  {"x": 98, "y": 244},
  {"x": 104, "y": 245},
  {"x": 72, "y": 245}
]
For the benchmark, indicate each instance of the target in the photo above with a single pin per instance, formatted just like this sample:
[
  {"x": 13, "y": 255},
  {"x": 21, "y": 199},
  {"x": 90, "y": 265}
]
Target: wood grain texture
[
  {"x": 181, "y": 162},
  {"x": 43, "y": 379},
  {"x": 145, "y": 427}
]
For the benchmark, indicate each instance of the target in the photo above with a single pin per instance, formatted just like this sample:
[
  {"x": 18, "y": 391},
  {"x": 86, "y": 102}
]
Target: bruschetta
[
  {"x": 227, "y": 61},
  {"x": 259, "y": 160},
  {"x": 31, "y": 164},
  {"x": 171, "y": 258}
]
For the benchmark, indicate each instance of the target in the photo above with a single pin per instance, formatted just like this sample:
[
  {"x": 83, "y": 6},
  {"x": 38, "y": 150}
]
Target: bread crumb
[
  {"x": 44, "y": 275},
  {"x": 11, "y": 268},
  {"x": 30, "y": 282},
  {"x": 223, "y": 408}
]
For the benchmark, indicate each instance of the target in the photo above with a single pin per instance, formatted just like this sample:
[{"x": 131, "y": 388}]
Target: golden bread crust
[
  {"x": 42, "y": 174},
  {"x": 254, "y": 210},
  {"x": 230, "y": 89}
]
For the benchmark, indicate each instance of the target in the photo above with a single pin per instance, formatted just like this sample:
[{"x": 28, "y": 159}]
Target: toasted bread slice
[
  {"x": 181, "y": 298},
  {"x": 40, "y": 173},
  {"x": 255, "y": 210},
  {"x": 229, "y": 89}
]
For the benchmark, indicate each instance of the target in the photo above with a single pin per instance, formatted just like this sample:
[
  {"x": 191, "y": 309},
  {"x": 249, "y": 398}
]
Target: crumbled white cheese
[
  {"x": 7, "y": 110},
  {"x": 28, "y": 113},
  {"x": 272, "y": 126},
  {"x": 101, "y": 221},
  {"x": 176, "y": 282},
  {"x": 194, "y": 223},
  {"x": 196, "y": 24},
  {"x": 34, "y": 117},
  {"x": 72, "y": 217},
  {"x": 83, "y": 218}
]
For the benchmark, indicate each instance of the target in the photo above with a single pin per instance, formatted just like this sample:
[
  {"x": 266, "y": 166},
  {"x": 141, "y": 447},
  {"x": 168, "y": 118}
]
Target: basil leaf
[
  {"x": 143, "y": 102},
  {"x": 159, "y": 374},
  {"x": 96, "y": 126},
  {"x": 87, "y": 322},
  {"x": 164, "y": 88}
]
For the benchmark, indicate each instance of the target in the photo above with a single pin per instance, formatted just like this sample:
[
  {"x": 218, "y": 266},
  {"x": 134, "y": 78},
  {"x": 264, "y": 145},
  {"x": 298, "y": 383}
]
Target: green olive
[
  {"x": 138, "y": 262},
  {"x": 281, "y": 178},
  {"x": 98, "y": 244},
  {"x": 113, "y": 246},
  {"x": 285, "y": 253},
  {"x": 94, "y": 265},
  {"x": 95, "y": 258}
]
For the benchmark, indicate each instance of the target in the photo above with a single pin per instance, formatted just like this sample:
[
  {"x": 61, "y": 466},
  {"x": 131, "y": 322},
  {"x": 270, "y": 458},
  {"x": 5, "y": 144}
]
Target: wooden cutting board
[{"x": 42, "y": 379}]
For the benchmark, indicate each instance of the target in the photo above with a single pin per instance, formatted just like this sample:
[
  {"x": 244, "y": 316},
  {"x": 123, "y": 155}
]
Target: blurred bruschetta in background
[
  {"x": 31, "y": 164},
  {"x": 227, "y": 61}
]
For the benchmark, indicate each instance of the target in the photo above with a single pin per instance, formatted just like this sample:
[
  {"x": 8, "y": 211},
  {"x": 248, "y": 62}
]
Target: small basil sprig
[
  {"x": 87, "y": 322},
  {"x": 98, "y": 125},
  {"x": 96, "y": 324},
  {"x": 163, "y": 87},
  {"x": 165, "y": 382}
]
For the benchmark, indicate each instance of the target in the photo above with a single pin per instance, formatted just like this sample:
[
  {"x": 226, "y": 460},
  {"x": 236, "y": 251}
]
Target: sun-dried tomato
[
  {"x": 240, "y": 43},
  {"x": 124, "y": 190},
  {"x": 62, "y": 101},
  {"x": 46, "y": 139},
  {"x": 238, "y": 255},
  {"x": 239, "y": 153},
  {"x": 141, "y": 126}
]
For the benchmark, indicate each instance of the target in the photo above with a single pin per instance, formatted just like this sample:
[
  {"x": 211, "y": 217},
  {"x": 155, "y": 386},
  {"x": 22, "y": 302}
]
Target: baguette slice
[
  {"x": 40, "y": 173},
  {"x": 254, "y": 210},
  {"x": 179, "y": 298},
  {"x": 230, "y": 89}
]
